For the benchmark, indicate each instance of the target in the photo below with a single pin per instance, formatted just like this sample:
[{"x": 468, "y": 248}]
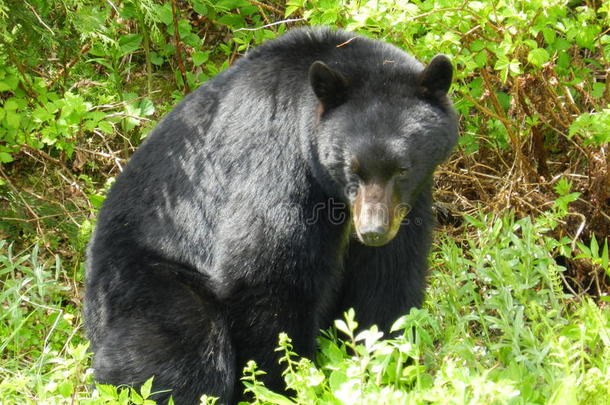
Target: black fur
[{"x": 231, "y": 222}]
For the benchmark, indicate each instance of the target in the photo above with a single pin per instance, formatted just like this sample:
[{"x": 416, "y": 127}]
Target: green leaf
[
  {"x": 65, "y": 388},
  {"x": 504, "y": 99},
  {"x": 538, "y": 56},
  {"x": 604, "y": 258},
  {"x": 200, "y": 57},
  {"x": 105, "y": 127},
  {"x": 184, "y": 28},
  {"x": 477, "y": 45},
  {"x": 594, "y": 127},
  {"x": 146, "y": 107},
  {"x": 136, "y": 397},
  {"x": 563, "y": 186},
  {"x": 586, "y": 252},
  {"x": 199, "y": 7},
  {"x": 476, "y": 5},
  {"x": 329, "y": 17},
  {"x": 96, "y": 116},
  {"x": 515, "y": 67},
  {"x": 267, "y": 396},
  {"x": 586, "y": 36},
  {"x": 563, "y": 60},
  {"x": 9, "y": 83},
  {"x": 102, "y": 62},
  {"x": 5, "y": 157},
  {"x": 146, "y": 387},
  {"x": 562, "y": 44},
  {"x": 506, "y": 67},
  {"x": 156, "y": 59},
  {"x": 231, "y": 4},
  {"x": 107, "y": 392},
  {"x": 474, "y": 222},
  {"x": 11, "y": 104},
  {"x": 330, "y": 350},
  {"x": 337, "y": 379},
  {"x": 549, "y": 35},
  {"x": 129, "y": 43},
  {"x": 594, "y": 247},
  {"x": 96, "y": 200},
  {"x": 289, "y": 10},
  {"x": 164, "y": 13},
  {"x": 481, "y": 59},
  {"x": 342, "y": 326},
  {"x": 12, "y": 119},
  {"x": 232, "y": 20},
  {"x": 598, "y": 89}
]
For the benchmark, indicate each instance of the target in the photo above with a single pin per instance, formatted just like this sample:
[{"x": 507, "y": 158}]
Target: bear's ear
[
  {"x": 435, "y": 80},
  {"x": 329, "y": 85}
]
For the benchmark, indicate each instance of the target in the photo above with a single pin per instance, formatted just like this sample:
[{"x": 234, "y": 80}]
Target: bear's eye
[{"x": 402, "y": 172}]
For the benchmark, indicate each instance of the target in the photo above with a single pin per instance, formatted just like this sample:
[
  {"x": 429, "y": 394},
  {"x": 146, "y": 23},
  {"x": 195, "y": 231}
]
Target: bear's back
[{"x": 236, "y": 138}]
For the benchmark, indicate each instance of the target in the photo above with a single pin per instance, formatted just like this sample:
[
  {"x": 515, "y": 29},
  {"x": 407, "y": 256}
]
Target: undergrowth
[
  {"x": 517, "y": 310},
  {"x": 497, "y": 327},
  {"x": 83, "y": 81}
]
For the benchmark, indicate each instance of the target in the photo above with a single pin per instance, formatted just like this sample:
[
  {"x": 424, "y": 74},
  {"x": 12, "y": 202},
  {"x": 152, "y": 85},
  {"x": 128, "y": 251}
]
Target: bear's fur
[{"x": 269, "y": 200}]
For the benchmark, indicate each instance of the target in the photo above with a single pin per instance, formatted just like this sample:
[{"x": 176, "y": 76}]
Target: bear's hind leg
[{"x": 165, "y": 328}]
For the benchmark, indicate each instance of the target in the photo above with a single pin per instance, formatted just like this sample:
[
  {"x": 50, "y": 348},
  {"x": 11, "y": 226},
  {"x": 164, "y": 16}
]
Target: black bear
[{"x": 291, "y": 187}]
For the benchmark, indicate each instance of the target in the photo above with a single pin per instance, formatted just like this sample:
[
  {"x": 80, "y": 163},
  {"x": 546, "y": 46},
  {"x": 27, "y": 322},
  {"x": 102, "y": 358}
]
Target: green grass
[{"x": 496, "y": 328}]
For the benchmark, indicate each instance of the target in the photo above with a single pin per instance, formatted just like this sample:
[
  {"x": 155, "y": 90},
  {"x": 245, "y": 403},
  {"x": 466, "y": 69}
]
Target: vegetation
[{"x": 518, "y": 309}]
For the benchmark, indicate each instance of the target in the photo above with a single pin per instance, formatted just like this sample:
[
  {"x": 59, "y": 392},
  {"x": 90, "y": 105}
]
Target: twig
[
  {"x": 102, "y": 154},
  {"x": 481, "y": 107},
  {"x": 113, "y": 6},
  {"x": 350, "y": 40},
  {"x": 27, "y": 221},
  {"x": 103, "y": 139},
  {"x": 266, "y": 6},
  {"x": 272, "y": 24},
  {"x": 123, "y": 115},
  {"x": 499, "y": 111},
  {"x": 580, "y": 228},
  {"x": 119, "y": 103},
  {"x": 39, "y": 19},
  {"x": 261, "y": 10},
  {"x": 42, "y": 154},
  {"x": 565, "y": 282},
  {"x": 178, "y": 42}
]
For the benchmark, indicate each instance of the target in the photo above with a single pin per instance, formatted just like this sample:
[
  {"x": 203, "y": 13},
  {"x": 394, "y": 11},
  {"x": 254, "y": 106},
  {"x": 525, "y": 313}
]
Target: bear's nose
[{"x": 374, "y": 235}]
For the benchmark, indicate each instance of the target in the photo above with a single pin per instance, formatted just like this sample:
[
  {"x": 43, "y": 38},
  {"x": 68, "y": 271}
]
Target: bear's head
[{"x": 380, "y": 132}]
